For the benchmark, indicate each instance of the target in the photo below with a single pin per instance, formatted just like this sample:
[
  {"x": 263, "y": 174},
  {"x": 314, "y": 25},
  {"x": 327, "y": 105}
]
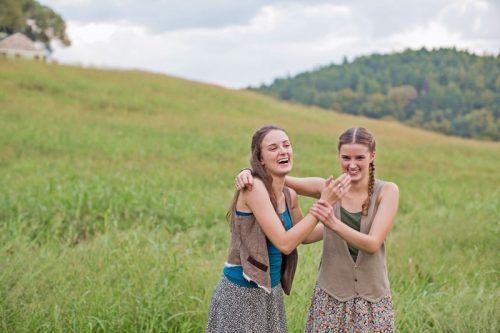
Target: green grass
[{"x": 114, "y": 187}]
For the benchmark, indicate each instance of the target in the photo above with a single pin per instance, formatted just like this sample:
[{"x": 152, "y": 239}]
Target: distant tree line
[
  {"x": 445, "y": 90},
  {"x": 38, "y": 22}
]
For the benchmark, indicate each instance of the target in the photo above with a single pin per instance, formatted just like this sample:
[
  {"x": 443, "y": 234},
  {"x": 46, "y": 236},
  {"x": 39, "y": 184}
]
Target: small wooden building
[{"x": 20, "y": 46}]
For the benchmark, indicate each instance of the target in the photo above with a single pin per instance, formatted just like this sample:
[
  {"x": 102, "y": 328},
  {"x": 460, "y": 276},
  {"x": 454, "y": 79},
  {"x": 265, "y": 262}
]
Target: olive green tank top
[{"x": 354, "y": 221}]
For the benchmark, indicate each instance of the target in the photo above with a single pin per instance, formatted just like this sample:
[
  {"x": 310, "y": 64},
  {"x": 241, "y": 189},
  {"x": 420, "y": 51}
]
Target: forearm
[
  {"x": 307, "y": 186},
  {"x": 315, "y": 236},
  {"x": 364, "y": 242},
  {"x": 298, "y": 234}
]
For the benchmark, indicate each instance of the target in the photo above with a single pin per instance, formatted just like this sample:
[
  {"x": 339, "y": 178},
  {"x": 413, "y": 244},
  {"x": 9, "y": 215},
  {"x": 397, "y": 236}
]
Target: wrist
[{"x": 333, "y": 223}]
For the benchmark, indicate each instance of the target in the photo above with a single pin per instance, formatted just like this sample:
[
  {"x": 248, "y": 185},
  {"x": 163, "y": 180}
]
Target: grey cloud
[
  {"x": 370, "y": 18},
  {"x": 164, "y": 15},
  {"x": 464, "y": 23},
  {"x": 385, "y": 17}
]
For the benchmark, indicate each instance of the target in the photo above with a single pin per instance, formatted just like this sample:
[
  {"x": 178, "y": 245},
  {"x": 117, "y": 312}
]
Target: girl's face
[
  {"x": 355, "y": 160},
  {"x": 276, "y": 153}
]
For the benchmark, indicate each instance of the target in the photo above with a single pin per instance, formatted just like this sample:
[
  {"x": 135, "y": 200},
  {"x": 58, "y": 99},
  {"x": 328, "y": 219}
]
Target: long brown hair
[
  {"x": 360, "y": 135},
  {"x": 258, "y": 170}
]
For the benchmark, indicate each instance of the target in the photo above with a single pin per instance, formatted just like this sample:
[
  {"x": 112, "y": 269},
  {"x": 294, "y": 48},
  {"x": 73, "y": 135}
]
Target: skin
[
  {"x": 354, "y": 161},
  {"x": 277, "y": 159}
]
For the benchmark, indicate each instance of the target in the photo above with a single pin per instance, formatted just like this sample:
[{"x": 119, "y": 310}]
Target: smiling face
[
  {"x": 355, "y": 160},
  {"x": 276, "y": 153}
]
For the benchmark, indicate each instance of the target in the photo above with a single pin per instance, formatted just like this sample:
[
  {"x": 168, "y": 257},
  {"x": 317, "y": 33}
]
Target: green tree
[
  {"x": 11, "y": 16},
  {"x": 38, "y": 22},
  {"x": 445, "y": 90}
]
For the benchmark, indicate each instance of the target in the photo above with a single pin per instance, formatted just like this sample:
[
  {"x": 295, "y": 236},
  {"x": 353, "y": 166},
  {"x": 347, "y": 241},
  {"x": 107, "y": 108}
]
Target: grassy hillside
[{"x": 114, "y": 187}]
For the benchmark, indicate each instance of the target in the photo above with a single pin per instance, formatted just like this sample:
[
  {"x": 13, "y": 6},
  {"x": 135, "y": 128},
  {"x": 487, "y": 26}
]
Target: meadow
[{"x": 115, "y": 184}]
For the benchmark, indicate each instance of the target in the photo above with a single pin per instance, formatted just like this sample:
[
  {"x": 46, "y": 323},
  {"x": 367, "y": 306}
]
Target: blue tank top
[{"x": 235, "y": 273}]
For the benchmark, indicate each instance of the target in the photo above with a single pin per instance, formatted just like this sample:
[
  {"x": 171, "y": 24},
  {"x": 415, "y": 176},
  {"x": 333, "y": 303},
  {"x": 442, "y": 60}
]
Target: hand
[
  {"x": 335, "y": 189},
  {"x": 244, "y": 180},
  {"x": 323, "y": 211}
]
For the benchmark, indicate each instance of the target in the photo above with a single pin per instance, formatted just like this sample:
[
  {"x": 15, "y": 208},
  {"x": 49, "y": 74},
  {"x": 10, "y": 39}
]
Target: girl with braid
[{"x": 352, "y": 291}]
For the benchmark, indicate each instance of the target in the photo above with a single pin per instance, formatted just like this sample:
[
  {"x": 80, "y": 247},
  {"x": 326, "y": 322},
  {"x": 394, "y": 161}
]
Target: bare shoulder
[
  {"x": 259, "y": 183},
  {"x": 389, "y": 190},
  {"x": 254, "y": 198},
  {"x": 258, "y": 189},
  {"x": 390, "y": 187}
]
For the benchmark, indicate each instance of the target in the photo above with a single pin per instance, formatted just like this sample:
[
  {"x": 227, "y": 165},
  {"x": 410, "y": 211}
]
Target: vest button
[{"x": 355, "y": 280}]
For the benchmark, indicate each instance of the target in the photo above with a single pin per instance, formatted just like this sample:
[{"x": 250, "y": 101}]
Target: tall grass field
[{"x": 114, "y": 187}]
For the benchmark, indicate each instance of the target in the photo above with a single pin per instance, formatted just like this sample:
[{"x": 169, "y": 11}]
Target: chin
[
  {"x": 284, "y": 172},
  {"x": 281, "y": 173}
]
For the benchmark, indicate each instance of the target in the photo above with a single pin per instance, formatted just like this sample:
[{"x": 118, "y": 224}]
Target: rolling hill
[{"x": 114, "y": 188}]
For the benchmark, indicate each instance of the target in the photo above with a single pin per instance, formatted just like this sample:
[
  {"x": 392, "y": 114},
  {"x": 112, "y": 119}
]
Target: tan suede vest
[
  {"x": 345, "y": 279},
  {"x": 248, "y": 248}
]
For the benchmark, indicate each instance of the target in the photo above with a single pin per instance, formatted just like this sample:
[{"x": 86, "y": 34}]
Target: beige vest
[
  {"x": 248, "y": 248},
  {"x": 345, "y": 279}
]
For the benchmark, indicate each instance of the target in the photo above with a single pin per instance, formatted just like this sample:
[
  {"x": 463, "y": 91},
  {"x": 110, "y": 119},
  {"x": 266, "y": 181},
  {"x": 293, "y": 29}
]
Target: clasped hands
[{"x": 333, "y": 191}]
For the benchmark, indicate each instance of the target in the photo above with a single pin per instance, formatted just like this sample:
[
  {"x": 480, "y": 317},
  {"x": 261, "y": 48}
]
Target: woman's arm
[
  {"x": 316, "y": 235},
  {"x": 312, "y": 186},
  {"x": 307, "y": 186},
  {"x": 259, "y": 203},
  {"x": 382, "y": 223},
  {"x": 297, "y": 215}
]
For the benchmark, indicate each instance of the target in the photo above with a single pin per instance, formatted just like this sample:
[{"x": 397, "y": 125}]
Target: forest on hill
[{"x": 445, "y": 90}]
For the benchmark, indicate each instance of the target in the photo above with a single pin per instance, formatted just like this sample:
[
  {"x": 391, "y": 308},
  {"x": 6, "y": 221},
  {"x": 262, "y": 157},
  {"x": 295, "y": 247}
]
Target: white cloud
[{"x": 278, "y": 38}]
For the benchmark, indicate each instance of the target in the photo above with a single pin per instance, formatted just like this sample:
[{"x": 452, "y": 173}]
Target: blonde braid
[{"x": 371, "y": 185}]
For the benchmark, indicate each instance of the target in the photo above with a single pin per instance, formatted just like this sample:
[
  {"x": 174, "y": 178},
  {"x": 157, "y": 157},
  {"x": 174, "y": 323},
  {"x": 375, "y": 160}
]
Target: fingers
[
  {"x": 249, "y": 182},
  {"x": 342, "y": 180},
  {"x": 328, "y": 181},
  {"x": 316, "y": 212},
  {"x": 321, "y": 210},
  {"x": 334, "y": 190},
  {"x": 244, "y": 180},
  {"x": 342, "y": 185}
]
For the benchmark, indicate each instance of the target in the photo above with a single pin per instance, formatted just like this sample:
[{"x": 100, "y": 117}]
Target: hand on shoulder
[{"x": 258, "y": 189}]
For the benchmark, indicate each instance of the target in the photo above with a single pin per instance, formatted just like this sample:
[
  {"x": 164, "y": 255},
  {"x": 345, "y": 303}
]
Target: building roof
[{"x": 18, "y": 41}]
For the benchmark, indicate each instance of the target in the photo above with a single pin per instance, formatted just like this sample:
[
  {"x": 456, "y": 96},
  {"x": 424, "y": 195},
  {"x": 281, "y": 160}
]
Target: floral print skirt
[{"x": 327, "y": 314}]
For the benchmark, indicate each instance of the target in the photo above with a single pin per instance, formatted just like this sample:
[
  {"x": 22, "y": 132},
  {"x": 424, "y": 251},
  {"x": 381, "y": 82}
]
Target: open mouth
[{"x": 283, "y": 161}]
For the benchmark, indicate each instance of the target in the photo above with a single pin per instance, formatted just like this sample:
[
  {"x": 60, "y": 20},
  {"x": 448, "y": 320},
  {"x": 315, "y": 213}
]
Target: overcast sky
[{"x": 238, "y": 43}]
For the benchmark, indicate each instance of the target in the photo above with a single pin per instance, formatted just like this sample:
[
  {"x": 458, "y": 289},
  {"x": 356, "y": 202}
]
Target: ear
[{"x": 372, "y": 157}]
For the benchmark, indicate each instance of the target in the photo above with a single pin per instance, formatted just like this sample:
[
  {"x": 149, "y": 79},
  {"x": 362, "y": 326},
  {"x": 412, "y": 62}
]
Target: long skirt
[
  {"x": 239, "y": 309},
  {"x": 327, "y": 314}
]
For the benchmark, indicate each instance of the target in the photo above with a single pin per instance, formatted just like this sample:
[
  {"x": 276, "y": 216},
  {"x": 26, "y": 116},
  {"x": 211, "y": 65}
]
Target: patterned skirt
[
  {"x": 239, "y": 309},
  {"x": 327, "y": 314}
]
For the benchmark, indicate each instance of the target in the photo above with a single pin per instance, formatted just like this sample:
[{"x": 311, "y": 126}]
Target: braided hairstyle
[
  {"x": 258, "y": 170},
  {"x": 360, "y": 135}
]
